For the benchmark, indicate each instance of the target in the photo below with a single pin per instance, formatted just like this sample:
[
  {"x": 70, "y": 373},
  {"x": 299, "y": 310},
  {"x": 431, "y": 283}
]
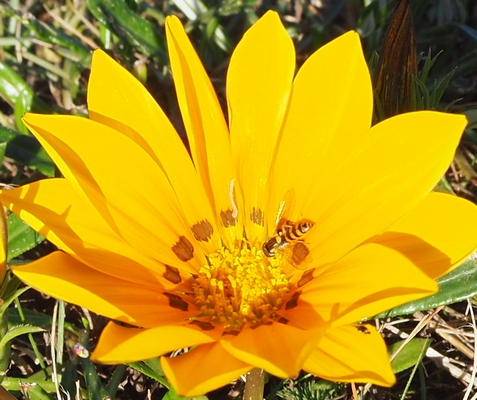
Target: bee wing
[
  {"x": 296, "y": 254},
  {"x": 285, "y": 208}
]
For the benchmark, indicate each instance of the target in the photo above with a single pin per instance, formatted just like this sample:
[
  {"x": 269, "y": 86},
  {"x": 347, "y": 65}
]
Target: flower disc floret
[{"x": 240, "y": 286}]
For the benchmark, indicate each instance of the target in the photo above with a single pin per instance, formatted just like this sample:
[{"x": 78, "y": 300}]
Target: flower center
[{"x": 239, "y": 287}]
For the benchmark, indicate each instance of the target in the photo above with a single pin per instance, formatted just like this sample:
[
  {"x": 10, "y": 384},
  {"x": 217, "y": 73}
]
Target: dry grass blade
[{"x": 474, "y": 367}]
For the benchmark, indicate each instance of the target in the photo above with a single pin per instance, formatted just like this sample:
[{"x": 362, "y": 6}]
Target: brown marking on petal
[
  {"x": 293, "y": 302},
  {"x": 172, "y": 275},
  {"x": 202, "y": 230},
  {"x": 205, "y": 326},
  {"x": 257, "y": 216},
  {"x": 176, "y": 301},
  {"x": 306, "y": 277},
  {"x": 227, "y": 218},
  {"x": 183, "y": 249},
  {"x": 283, "y": 321},
  {"x": 300, "y": 252},
  {"x": 233, "y": 333}
]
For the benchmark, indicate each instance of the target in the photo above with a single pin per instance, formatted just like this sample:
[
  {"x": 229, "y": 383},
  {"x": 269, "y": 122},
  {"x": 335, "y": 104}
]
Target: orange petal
[
  {"x": 119, "y": 344},
  {"x": 279, "y": 349},
  {"x": 330, "y": 110},
  {"x": 258, "y": 88},
  {"x": 203, "y": 369},
  {"x": 119, "y": 100},
  {"x": 435, "y": 234},
  {"x": 367, "y": 281},
  {"x": 394, "y": 167},
  {"x": 346, "y": 354},
  {"x": 204, "y": 122},
  {"x": 63, "y": 277},
  {"x": 141, "y": 208}
]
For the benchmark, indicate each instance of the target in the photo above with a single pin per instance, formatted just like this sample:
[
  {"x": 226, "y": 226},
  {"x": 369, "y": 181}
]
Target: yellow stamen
[{"x": 240, "y": 286}]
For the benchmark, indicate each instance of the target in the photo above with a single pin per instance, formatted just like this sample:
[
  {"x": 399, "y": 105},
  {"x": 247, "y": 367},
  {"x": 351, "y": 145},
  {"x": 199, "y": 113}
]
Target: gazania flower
[{"x": 289, "y": 224}]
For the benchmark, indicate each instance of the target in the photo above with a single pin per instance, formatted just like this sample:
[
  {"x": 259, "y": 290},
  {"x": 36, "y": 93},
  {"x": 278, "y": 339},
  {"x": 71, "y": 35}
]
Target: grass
[{"x": 45, "y": 53}]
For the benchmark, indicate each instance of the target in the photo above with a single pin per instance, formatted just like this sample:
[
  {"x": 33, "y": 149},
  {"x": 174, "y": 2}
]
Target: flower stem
[{"x": 255, "y": 381}]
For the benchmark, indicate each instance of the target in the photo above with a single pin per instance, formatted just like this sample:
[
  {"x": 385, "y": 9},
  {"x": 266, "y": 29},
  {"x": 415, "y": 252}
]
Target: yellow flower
[{"x": 175, "y": 246}]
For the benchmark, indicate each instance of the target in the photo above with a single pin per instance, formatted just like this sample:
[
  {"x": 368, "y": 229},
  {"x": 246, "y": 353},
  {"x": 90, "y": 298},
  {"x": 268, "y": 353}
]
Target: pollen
[{"x": 240, "y": 287}]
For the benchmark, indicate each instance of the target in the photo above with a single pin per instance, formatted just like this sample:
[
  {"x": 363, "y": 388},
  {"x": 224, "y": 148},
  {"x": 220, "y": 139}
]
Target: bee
[
  {"x": 287, "y": 232},
  {"x": 288, "y": 236}
]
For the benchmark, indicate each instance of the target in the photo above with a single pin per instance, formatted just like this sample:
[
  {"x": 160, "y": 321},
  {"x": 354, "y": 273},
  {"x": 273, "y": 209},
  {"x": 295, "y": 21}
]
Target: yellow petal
[
  {"x": 140, "y": 207},
  {"x": 52, "y": 208},
  {"x": 63, "y": 277},
  {"x": 117, "y": 99},
  {"x": 435, "y": 234},
  {"x": 279, "y": 349},
  {"x": 204, "y": 122},
  {"x": 258, "y": 88},
  {"x": 203, "y": 369},
  {"x": 330, "y": 110},
  {"x": 367, "y": 281},
  {"x": 394, "y": 167},
  {"x": 347, "y": 354},
  {"x": 119, "y": 344}
]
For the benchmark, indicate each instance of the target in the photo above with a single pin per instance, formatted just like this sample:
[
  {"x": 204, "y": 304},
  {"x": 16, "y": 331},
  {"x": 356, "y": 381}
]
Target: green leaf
[
  {"x": 456, "y": 286},
  {"x": 21, "y": 237},
  {"x": 410, "y": 355},
  {"x": 3, "y": 148},
  {"x": 471, "y": 115},
  {"x": 15, "y": 383},
  {"x": 196, "y": 10},
  {"x": 96, "y": 390},
  {"x": 50, "y": 34},
  {"x": 10, "y": 298},
  {"x": 152, "y": 369},
  {"x": 18, "y": 331},
  {"x": 27, "y": 151},
  {"x": 31, "y": 318},
  {"x": 471, "y": 33},
  {"x": 123, "y": 21},
  {"x": 172, "y": 395},
  {"x": 11, "y": 383},
  {"x": 34, "y": 318},
  {"x": 12, "y": 86}
]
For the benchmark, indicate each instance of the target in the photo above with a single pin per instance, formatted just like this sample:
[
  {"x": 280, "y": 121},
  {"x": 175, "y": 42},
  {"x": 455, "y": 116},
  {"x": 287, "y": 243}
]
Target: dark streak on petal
[
  {"x": 172, "y": 275},
  {"x": 205, "y": 326},
  {"x": 227, "y": 218},
  {"x": 183, "y": 249},
  {"x": 202, "y": 230},
  {"x": 283, "y": 321},
  {"x": 176, "y": 301},
  {"x": 305, "y": 278},
  {"x": 257, "y": 217},
  {"x": 233, "y": 333},
  {"x": 293, "y": 302}
]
